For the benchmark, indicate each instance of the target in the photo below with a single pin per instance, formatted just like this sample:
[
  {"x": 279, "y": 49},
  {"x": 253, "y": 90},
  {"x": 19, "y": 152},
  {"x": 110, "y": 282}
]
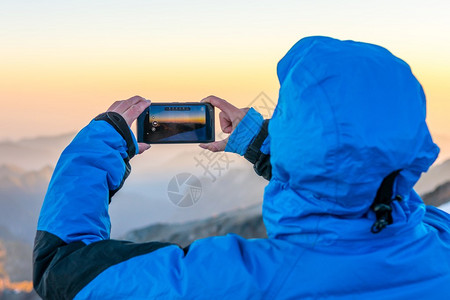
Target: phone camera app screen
[{"x": 177, "y": 123}]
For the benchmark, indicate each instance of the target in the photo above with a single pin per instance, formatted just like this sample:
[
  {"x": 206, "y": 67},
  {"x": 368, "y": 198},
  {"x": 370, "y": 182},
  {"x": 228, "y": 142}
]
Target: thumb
[
  {"x": 215, "y": 146},
  {"x": 221, "y": 104},
  {"x": 143, "y": 147}
]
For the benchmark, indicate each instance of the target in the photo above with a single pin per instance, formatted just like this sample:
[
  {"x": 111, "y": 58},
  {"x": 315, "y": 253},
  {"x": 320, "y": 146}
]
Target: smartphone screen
[{"x": 190, "y": 122}]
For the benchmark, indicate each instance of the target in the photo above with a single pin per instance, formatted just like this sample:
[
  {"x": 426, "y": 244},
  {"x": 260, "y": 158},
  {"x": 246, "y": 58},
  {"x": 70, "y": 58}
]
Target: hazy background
[{"x": 64, "y": 62}]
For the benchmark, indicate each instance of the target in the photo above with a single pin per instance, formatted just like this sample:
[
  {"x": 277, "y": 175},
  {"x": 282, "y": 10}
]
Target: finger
[
  {"x": 221, "y": 104},
  {"x": 143, "y": 147},
  {"x": 114, "y": 105},
  {"x": 240, "y": 115},
  {"x": 225, "y": 122},
  {"x": 134, "y": 111},
  {"x": 126, "y": 104},
  {"x": 245, "y": 110},
  {"x": 215, "y": 146}
]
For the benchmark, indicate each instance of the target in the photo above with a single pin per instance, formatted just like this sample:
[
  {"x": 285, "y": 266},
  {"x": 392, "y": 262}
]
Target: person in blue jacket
[{"x": 346, "y": 144}]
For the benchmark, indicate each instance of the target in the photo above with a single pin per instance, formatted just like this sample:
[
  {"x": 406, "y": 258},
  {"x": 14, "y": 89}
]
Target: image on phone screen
[{"x": 178, "y": 123}]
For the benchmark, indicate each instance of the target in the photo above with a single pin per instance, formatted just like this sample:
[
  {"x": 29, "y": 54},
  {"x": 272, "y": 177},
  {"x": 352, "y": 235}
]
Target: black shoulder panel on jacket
[
  {"x": 260, "y": 161},
  {"x": 263, "y": 167},
  {"x": 61, "y": 270}
]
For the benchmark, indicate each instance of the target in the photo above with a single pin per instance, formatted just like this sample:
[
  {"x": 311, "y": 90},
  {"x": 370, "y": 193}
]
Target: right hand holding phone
[
  {"x": 229, "y": 118},
  {"x": 130, "y": 109}
]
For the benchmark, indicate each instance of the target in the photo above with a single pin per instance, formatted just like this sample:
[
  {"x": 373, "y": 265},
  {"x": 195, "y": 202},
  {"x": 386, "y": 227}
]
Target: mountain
[
  {"x": 443, "y": 141},
  {"x": 14, "y": 177},
  {"x": 445, "y": 207},
  {"x": 21, "y": 196},
  {"x": 438, "y": 197},
  {"x": 436, "y": 175},
  {"x": 3, "y": 273},
  {"x": 244, "y": 222},
  {"x": 35, "y": 153},
  {"x": 145, "y": 200},
  {"x": 16, "y": 293},
  {"x": 15, "y": 271},
  {"x": 15, "y": 260}
]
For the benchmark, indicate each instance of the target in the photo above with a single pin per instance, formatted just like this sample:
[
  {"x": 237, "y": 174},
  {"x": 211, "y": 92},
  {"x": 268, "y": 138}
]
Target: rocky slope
[{"x": 245, "y": 222}]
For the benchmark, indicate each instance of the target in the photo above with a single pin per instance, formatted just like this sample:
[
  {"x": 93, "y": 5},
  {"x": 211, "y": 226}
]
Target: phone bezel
[{"x": 143, "y": 125}]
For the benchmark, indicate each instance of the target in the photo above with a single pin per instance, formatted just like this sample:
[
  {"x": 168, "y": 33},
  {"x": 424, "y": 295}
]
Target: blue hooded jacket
[{"x": 348, "y": 115}]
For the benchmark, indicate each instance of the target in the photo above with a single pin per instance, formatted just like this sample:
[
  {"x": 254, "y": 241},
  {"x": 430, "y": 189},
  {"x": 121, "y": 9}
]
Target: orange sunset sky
[{"x": 63, "y": 62}]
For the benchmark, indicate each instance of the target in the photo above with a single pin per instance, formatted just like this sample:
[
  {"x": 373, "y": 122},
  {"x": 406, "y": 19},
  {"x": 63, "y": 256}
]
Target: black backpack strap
[
  {"x": 382, "y": 203},
  {"x": 260, "y": 161}
]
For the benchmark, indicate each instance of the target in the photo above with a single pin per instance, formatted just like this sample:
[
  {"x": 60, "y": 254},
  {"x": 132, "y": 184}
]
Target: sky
[{"x": 64, "y": 62}]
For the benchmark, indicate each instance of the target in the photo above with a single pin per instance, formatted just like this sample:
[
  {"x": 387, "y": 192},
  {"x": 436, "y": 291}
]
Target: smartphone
[{"x": 176, "y": 122}]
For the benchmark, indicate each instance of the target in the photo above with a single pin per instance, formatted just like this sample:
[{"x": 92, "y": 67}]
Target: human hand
[
  {"x": 229, "y": 118},
  {"x": 130, "y": 109}
]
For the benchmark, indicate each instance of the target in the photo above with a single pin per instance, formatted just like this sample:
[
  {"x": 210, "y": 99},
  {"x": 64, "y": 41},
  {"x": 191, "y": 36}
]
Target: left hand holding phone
[
  {"x": 130, "y": 109},
  {"x": 229, "y": 118}
]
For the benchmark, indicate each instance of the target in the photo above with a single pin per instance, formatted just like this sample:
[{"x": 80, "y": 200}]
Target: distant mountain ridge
[
  {"x": 438, "y": 197},
  {"x": 436, "y": 176},
  {"x": 14, "y": 177},
  {"x": 40, "y": 141},
  {"x": 34, "y": 153},
  {"x": 246, "y": 222}
]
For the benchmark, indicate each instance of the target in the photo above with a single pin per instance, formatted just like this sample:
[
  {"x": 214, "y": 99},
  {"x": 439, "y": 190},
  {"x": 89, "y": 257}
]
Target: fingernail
[{"x": 202, "y": 146}]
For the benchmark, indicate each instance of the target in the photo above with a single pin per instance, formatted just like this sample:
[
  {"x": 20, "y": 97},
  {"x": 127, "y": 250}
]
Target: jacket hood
[{"x": 348, "y": 114}]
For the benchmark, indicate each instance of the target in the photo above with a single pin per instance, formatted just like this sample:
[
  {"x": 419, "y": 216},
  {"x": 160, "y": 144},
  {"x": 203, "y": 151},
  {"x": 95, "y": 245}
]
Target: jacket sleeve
[
  {"x": 251, "y": 139},
  {"x": 74, "y": 227},
  {"x": 91, "y": 169},
  {"x": 74, "y": 257}
]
